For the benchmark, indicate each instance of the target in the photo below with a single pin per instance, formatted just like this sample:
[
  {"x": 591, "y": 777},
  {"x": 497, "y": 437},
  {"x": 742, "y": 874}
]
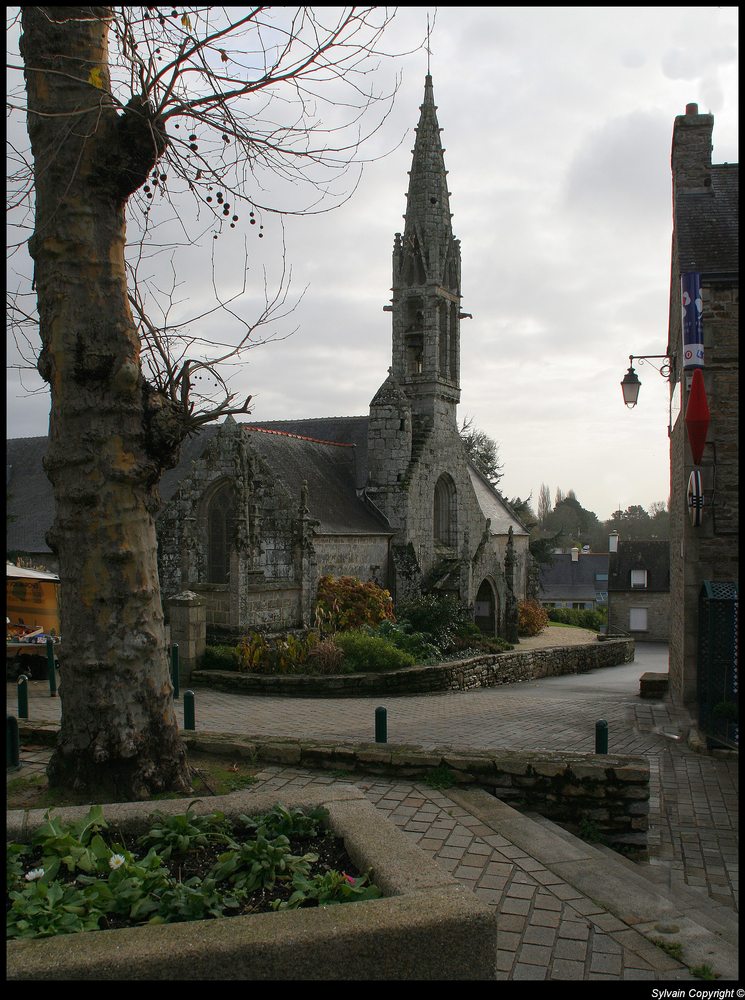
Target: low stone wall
[
  {"x": 603, "y": 795},
  {"x": 459, "y": 675}
]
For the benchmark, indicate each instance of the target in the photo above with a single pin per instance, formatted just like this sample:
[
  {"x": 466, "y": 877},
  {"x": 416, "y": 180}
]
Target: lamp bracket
[{"x": 663, "y": 370}]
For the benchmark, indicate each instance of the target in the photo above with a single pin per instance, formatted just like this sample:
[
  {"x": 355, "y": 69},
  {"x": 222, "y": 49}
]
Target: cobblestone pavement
[{"x": 547, "y": 928}]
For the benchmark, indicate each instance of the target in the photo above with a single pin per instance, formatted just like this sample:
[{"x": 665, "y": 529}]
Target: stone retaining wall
[
  {"x": 606, "y": 795},
  {"x": 603, "y": 796},
  {"x": 459, "y": 675}
]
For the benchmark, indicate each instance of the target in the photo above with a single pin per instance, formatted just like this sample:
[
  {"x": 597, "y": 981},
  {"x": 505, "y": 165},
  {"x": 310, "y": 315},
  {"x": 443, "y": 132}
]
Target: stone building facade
[
  {"x": 254, "y": 514},
  {"x": 705, "y": 240},
  {"x": 639, "y": 590}
]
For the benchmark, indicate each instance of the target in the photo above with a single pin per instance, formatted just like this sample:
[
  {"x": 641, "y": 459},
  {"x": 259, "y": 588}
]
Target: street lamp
[{"x": 630, "y": 384}]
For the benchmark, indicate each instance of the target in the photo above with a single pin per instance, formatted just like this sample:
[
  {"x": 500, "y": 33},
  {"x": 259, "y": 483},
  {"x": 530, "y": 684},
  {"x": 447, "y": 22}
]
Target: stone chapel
[{"x": 255, "y": 513}]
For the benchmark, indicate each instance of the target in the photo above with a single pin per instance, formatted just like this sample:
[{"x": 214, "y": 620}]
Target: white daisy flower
[
  {"x": 116, "y": 861},
  {"x": 34, "y": 874}
]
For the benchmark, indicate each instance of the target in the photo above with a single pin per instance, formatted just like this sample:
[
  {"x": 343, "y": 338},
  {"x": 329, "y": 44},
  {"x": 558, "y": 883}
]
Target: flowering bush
[
  {"x": 532, "y": 618},
  {"x": 346, "y": 603}
]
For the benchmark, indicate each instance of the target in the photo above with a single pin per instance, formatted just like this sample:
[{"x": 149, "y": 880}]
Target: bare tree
[
  {"x": 124, "y": 103},
  {"x": 544, "y": 504},
  {"x": 482, "y": 451}
]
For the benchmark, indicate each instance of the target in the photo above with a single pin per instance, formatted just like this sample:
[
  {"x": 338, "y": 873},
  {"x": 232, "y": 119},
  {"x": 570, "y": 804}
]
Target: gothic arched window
[
  {"x": 220, "y": 521},
  {"x": 444, "y": 512}
]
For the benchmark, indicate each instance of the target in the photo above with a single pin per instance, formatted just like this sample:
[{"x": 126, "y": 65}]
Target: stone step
[
  {"x": 696, "y": 903},
  {"x": 706, "y": 932}
]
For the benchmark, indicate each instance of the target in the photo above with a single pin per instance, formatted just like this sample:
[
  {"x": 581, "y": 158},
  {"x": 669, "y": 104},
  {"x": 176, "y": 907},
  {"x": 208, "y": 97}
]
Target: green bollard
[
  {"x": 381, "y": 725},
  {"x": 601, "y": 736},
  {"x": 189, "y": 719},
  {"x": 23, "y": 697},
  {"x": 12, "y": 745},
  {"x": 174, "y": 669},
  {"x": 51, "y": 669}
]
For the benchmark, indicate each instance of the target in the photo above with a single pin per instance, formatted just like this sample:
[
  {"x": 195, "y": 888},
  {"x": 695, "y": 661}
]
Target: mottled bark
[{"x": 119, "y": 736}]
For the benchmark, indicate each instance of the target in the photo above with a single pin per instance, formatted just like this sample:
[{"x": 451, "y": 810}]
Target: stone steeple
[{"x": 426, "y": 280}]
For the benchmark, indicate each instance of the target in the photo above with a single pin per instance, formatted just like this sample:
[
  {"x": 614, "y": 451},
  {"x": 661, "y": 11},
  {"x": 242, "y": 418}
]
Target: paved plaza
[{"x": 609, "y": 922}]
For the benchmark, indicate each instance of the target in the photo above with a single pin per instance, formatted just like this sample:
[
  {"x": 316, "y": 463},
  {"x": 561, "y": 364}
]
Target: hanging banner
[{"x": 693, "y": 329}]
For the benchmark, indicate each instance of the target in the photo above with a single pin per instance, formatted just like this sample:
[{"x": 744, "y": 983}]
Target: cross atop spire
[{"x": 429, "y": 51}]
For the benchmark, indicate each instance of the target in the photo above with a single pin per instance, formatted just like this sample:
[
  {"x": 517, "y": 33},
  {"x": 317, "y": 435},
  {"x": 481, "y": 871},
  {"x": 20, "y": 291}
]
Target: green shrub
[
  {"x": 348, "y": 603},
  {"x": 582, "y": 617},
  {"x": 403, "y": 636},
  {"x": 482, "y": 643},
  {"x": 443, "y": 619},
  {"x": 220, "y": 658},
  {"x": 363, "y": 651},
  {"x": 532, "y": 618}
]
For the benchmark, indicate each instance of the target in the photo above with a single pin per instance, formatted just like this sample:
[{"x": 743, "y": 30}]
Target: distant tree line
[{"x": 564, "y": 523}]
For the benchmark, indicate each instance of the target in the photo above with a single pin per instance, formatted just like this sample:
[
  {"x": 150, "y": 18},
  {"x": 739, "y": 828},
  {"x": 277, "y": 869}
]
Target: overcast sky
[{"x": 557, "y": 125}]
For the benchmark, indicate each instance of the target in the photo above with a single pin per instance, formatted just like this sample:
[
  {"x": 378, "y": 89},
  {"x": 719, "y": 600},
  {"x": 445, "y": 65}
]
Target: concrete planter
[{"x": 427, "y": 926}]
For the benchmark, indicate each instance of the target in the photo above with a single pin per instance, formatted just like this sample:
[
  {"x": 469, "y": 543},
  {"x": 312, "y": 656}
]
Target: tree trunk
[{"x": 119, "y": 736}]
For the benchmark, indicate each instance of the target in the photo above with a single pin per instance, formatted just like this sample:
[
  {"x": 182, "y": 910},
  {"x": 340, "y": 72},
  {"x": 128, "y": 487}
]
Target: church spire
[
  {"x": 426, "y": 278},
  {"x": 428, "y": 216}
]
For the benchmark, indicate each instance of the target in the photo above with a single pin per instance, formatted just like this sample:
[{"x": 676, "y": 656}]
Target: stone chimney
[
  {"x": 575, "y": 554},
  {"x": 691, "y": 152}
]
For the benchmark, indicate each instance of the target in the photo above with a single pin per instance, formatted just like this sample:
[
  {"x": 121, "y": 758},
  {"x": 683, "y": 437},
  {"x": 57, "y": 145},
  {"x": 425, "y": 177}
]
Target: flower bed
[
  {"x": 426, "y": 926},
  {"x": 88, "y": 876}
]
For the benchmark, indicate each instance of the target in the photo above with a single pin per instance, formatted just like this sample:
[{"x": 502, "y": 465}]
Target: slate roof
[
  {"x": 707, "y": 231},
  {"x": 494, "y": 507},
  {"x": 653, "y": 556},
  {"x": 343, "y": 430},
  {"x": 329, "y": 453},
  {"x": 30, "y": 501},
  {"x": 296, "y": 454},
  {"x": 329, "y": 468},
  {"x": 565, "y": 580}
]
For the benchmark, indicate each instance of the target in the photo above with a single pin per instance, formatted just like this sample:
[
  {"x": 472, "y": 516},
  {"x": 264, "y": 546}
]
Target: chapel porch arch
[{"x": 486, "y": 608}]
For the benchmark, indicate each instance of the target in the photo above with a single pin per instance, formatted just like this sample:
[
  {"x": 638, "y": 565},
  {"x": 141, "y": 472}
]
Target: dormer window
[{"x": 638, "y": 579}]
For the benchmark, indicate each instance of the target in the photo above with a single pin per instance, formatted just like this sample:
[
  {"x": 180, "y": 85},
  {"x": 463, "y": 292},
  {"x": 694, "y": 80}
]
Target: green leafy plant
[
  {"x": 71, "y": 879},
  {"x": 185, "y": 833},
  {"x": 532, "y": 618},
  {"x": 220, "y": 658},
  {"x": 363, "y": 651},
  {"x": 440, "y": 777},
  {"x": 44, "y": 909},
  {"x": 281, "y": 821},
  {"x": 403, "y": 636},
  {"x": 327, "y": 889},
  {"x": 672, "y": 948},
  {"x": 704, "y": 972},
  {"x": 590, "y": 831},
  {"x": 442, "y": 619},
  {"x": 582, "y": 618},
  {"x": 286, "y": 654}
]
